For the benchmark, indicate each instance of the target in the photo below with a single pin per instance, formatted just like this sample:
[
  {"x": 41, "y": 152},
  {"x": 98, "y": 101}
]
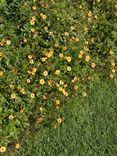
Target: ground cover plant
[{"x": 51, "y": 51}]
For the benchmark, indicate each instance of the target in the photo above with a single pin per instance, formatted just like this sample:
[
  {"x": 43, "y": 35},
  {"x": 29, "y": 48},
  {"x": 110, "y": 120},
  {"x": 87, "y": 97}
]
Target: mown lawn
[{"x": 89, "y": 128}]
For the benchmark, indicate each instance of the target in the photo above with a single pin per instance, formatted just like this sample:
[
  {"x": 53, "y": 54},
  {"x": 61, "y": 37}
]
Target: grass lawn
[{"x": 89, "y": 128}]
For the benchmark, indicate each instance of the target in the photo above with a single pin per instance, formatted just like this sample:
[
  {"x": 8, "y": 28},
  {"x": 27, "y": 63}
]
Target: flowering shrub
[{"x": 48, "y": 51}]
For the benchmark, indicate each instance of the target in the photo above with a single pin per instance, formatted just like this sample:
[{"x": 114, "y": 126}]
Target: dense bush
[{"x": 50, "y": 50}]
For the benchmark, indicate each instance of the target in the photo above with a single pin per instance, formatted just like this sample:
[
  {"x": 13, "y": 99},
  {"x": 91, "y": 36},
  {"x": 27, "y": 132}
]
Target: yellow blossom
[
  {"x": 1, "y": 73},
  {"x": 8, "y": 42},
  {"x": 42, "y": 81},
  {"x": 113, "y": 70},
  {"x": 57, "y": 72},
  {"x": 45, "y": 73},
  {"x": 69, "y": 68},
  {"x": 25, "y": 40},
  {"x": 93, "y": 65},
  {"x": 61, "y": 82},
  {"x": 10, "y": 117},
  {"x": 30, "y": 57},
  {"x": 32, "y": 30},
  {"x": 57, "y": 102},
  {"x": 34, "y": 8},
  {"x": 84, "y": 94},
  {"x": 75, "y": 87},
  {"x": 80, "y": 56},
  {"x": 87, "y": 58},
  {"x": 111, "y": 76},
  {"x": 2, "y": 149},
  {"x": 113, "y": 63},
  {"x": 32, "y": 95},
  {"x": 33, "y": 18},
  {"x": 32, "y": 22},
  {"x": 111, "y": 52},
  {"x": 28, "y": 80},
  {"x": 23, "y": 91},
  {"x": 68, "y": 58},
  {"x": 44, "y": 59},
  {"x": 13, "y": 96},
  {"x": 17, "y": 146},
  {"x": 31, "y": 61},
  {"x": 34, "y": 70},
  {"x": 90, "y": 14},
  {"x": 61, "y": 55},
  {"x": 59, "y": 120}
]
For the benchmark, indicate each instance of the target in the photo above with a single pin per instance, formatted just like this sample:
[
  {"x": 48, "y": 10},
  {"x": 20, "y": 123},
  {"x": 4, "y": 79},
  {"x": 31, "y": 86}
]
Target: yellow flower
[
  {"x": 60, "y": 89},
  {"x": 32, "y": 95},
  {"x": 32, "y": 30},
  {"x": 87, "y": 58},
  {"x": 43, "y": 16},
  {"x": 34, "y": 8},
  {"x": 65, "y": 93},
  {"x": 57, "y": 102},
  {"x": 69, "y": 68},
  {"x": 113, "y": 70},
  {"x": 61, "y": 55},
  {"x": 64, "y": 48},
  {"x": 80, "y": 56},
  {"x": 34, "y": 70},
  {"x": 66, "y": 34},
  {"x": 12, "y": 86},
  {"x": 1, "y": 54},
  {"x": 61, "y": 82},
  {"x": 89, "y": 19},
  {"x": 33, "y": 18},
  {"x": 42, "y": 81},
  {"x": 28, "y": 80},
  {"x": 10, "y": 117},
  {"x": 49, "y": 54},
  {"x": 44, "y": 97},
  {"x": 17, "y": 146},
  {"x": 115, "y": 5},
  {"x": 111, "y": 52},
  {"x": 32, "y": 22},
  {"x": 89, "y": 77},
  {"x": 81, "y": 52},
  {"x": 84, "y": 94},
  {"x": 75, "y": 87},
  {"x": 1, "y": 73},
  {"x": 85, "y": 29},
  {"x": 68, "y": 58},
  {"x": 23, "y": 91},
  {"x": 90, "y": 14},
  {"x": 50, "y": 82},
  {"x": 57, "y": 72},
  {"x": 8, "y": 42},
  {"x": 25, "y": 40},
  {"x": 51, "y": 33},
  {"x": 59, "y": 120},
  {"x": 45, "y": 73},
  {"x": 113, "y": 63},
  {"x": 93, "y": 65},
  {"x": 111, "y": 76},
  {"x": 41, "y": 109},
  {"x": 115, "y": 13},
  {"x": 31, "y": 61},
  {"x": 29, "y": 56},
  {"x": 2, "y": 149},
  {"x": 13, "y": 96},
  {"x": 44, "y": 59}
]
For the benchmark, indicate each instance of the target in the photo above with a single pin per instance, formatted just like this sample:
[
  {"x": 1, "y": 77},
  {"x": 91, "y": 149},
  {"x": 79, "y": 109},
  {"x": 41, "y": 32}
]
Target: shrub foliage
[{"x": 49, "y": 51}]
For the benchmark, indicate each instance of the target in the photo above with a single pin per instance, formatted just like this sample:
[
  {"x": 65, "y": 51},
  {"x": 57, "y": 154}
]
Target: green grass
[{"x": 89, "y": 128}]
